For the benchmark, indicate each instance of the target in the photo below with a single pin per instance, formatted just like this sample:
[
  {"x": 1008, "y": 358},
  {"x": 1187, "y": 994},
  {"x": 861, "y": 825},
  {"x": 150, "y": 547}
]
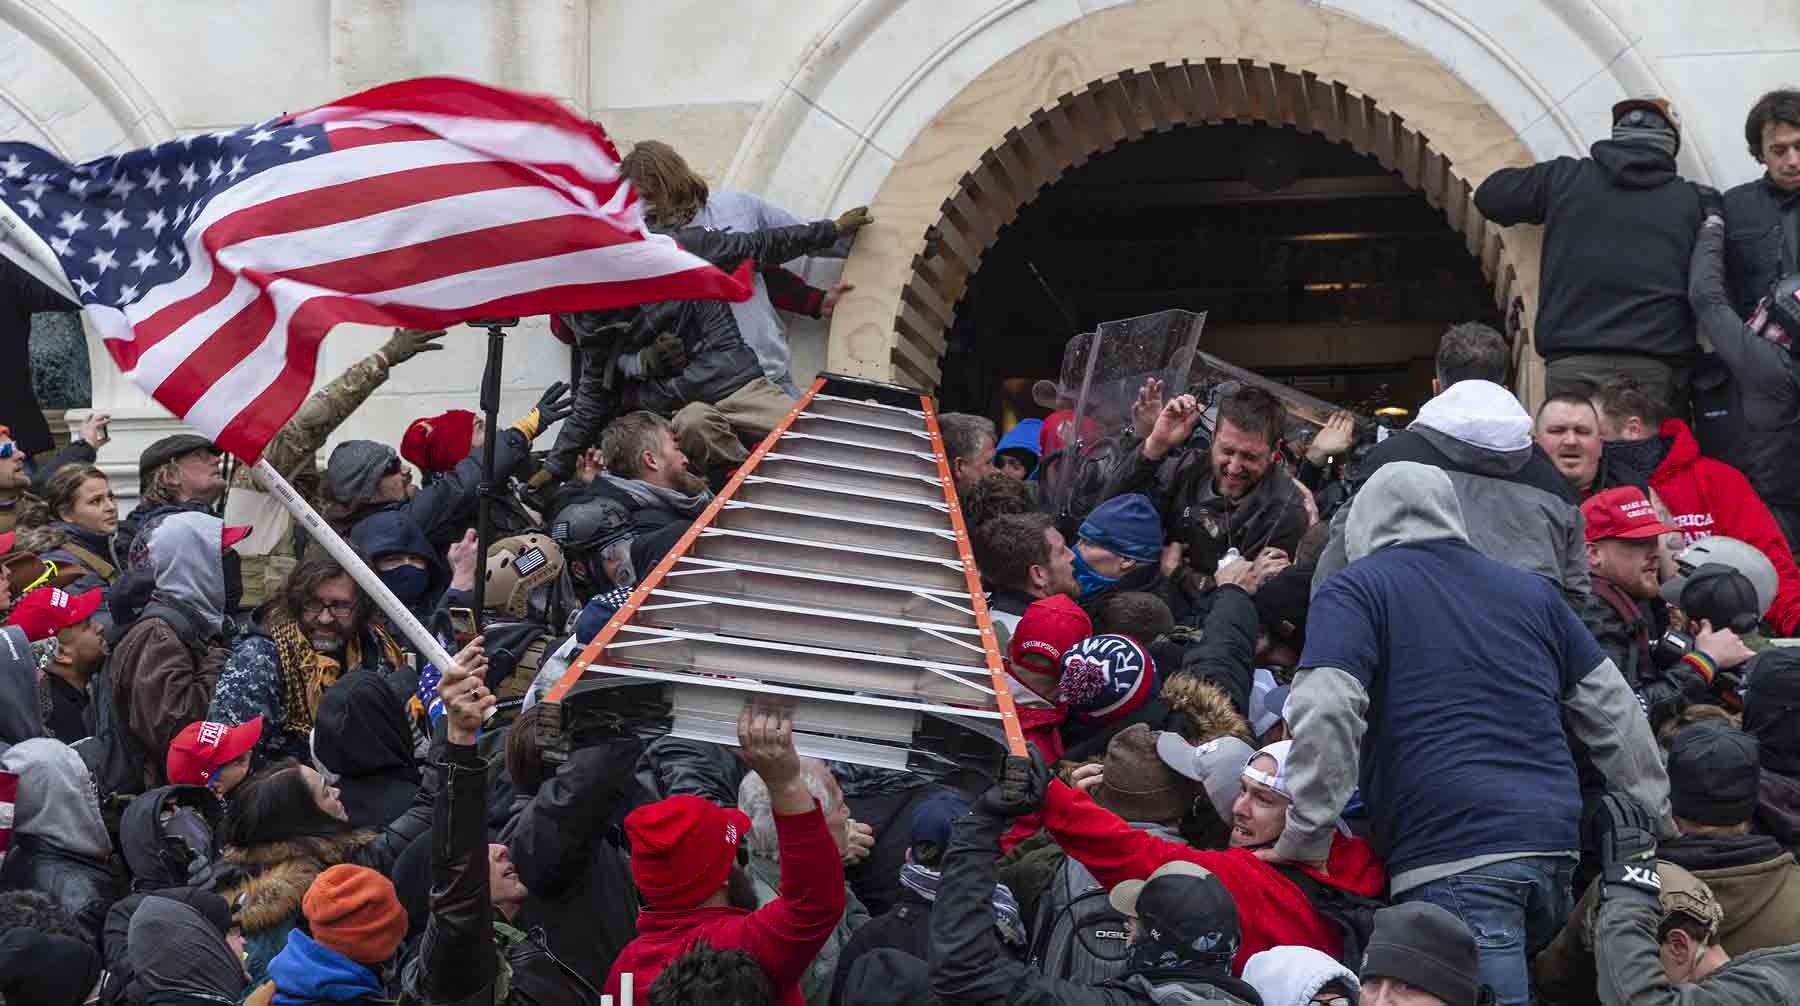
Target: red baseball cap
[
  {"x": 1046, "y": 631},
  {"x": 202, "y": 748},
  {"x": 44, "y": 613},
  {"x": 6, "y": 542},
  {"x": 682, "y": 849},
  {"x": 1624, "y": 512}
]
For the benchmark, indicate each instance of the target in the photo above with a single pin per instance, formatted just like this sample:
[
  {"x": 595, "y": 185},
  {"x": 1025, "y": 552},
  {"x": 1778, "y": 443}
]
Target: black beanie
[
  {"x": 1713, "y": 774},
  {"x": 1426, "y": 947}
]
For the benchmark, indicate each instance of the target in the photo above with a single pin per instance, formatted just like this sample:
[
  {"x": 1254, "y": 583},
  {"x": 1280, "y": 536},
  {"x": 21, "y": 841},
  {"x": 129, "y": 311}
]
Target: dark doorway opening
[{"x": 1316, "y": 266}]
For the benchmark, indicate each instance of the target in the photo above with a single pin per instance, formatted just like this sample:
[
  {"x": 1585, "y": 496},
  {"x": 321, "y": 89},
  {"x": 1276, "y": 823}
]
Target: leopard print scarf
[{"x": 306, "y": 673}]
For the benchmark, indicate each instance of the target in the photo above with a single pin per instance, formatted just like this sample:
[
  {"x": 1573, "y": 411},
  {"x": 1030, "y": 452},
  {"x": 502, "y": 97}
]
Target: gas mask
[{"x": 188, "y": 844}]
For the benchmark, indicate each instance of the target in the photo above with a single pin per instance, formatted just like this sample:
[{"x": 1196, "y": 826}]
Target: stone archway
[
  {"x": 1127, "y": 106},
  {"x": 898, "y": 118}
]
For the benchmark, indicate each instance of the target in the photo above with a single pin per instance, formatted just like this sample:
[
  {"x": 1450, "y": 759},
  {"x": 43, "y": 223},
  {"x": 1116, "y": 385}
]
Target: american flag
[{"x": 214, "y": 265}]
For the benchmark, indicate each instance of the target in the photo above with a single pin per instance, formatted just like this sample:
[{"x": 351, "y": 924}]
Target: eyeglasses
[{"x": 341, "y": 610}]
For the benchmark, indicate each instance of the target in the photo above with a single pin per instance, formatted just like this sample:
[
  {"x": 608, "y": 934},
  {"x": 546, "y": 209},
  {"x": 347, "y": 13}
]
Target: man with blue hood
[{"x": 1016, "y": 456}]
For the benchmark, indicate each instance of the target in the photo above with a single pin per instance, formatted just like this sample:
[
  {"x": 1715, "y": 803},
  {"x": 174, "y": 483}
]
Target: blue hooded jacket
[
  {"x": 306, "y": 973},
  {"x": 1023, "y": 437}
]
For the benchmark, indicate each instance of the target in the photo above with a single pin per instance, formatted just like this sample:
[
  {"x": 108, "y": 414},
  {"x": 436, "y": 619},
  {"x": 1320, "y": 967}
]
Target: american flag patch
[
  {"x": 530, "y": 561},
  {"x": 559, "y": 532}
]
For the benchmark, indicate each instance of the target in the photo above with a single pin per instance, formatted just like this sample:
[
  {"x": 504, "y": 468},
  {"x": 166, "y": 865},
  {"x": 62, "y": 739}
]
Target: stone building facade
[{"x": 946, "y": 116}]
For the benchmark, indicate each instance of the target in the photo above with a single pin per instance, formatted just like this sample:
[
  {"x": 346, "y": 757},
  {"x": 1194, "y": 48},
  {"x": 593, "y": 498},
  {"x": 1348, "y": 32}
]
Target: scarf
[
  {"x": 1632, "y": 462},
  {"x": 306, "y": 673},
  {"x": 923, "y": 881},
  {"x": 645, "y": 494}
]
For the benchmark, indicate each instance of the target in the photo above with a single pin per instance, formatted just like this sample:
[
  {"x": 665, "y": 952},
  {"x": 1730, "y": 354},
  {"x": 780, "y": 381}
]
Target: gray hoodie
[
  {"x": 1330, "y": 709},
  {"x": 56, "y": 801},
  {"x": 174, "y": 949},
  {"x": 1479, "y": 435},
  {"x": 187, "y": 555},
  {"x": 20, "y": 718}
]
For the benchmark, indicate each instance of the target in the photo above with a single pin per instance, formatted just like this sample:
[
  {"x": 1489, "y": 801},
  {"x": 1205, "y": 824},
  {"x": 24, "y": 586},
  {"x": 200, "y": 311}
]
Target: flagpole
[{"x": 272, "y": 483}]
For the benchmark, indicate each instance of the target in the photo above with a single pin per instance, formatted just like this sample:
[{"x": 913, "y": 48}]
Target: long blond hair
[{"x": 671, "y": 191}]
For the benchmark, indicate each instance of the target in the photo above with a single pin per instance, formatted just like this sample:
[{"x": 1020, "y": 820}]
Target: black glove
[
  {"x": 1625, "y": 837},
  {"x": 667, "y": 355},
  {"x": 1711, "y": 203},
  {"x": 556, "y": 403},
  {"x": 1020, "y": 790}
]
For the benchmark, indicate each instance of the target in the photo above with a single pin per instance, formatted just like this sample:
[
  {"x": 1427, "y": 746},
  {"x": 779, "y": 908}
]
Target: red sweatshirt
[
  {"x": 1706, "y": 496},
  {"x": 1272, "y": 911},
  {"x": 784, "y": 935}
]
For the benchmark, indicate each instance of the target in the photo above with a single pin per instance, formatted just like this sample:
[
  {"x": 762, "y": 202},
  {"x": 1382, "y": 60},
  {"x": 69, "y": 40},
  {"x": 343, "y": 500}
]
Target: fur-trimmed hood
[
  {"x": 39, "y": 539},
  {"x": 273, "y": 878},
  {"x": 1207, "y": 709}
]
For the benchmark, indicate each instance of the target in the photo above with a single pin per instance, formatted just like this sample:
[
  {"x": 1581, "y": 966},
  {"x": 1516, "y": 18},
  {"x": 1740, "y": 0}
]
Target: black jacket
[
  {"x": 84, "y": 887},
  {"x": 969, "y": 968},
  {"x": 567, "y": 843},
  {"x": 1747, "y": 404},
  {"x": 361, "y": 733},
  {"x": 1618, "y": 233},
  {"x": 905, "y": 927},
  {"x": 458, "y": 963},
  {"x": 21, "y": 296},
  {"x": 1762, "y": 239},
  {"x": 1270, "y": 515},
  {"x": 1626, "y": 630},
  {"x": 719, "y": 362}
]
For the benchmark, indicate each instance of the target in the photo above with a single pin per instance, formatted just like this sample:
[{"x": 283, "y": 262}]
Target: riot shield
[
  {"x": 1105, "y": 373},
  {"x": 1213, "y": 377}
]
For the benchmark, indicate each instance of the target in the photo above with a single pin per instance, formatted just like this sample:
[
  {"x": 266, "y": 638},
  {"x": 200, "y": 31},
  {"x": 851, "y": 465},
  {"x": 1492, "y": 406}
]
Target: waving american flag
[{"x": 214, "y": 265}]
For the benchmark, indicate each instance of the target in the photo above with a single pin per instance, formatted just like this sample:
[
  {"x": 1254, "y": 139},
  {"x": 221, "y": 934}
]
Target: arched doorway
[{"x": 1331, "y": 241}]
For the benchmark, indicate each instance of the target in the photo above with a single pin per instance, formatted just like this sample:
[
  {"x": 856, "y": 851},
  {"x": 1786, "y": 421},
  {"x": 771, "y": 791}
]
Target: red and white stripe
[{"x": 440, "y": 201}]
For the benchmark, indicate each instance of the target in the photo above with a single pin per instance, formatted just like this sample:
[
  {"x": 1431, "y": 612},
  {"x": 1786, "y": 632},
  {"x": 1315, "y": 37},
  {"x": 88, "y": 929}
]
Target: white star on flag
[
  {"x": 123, "y": 185},
  {"x": 31, "y": 208},
  {"x": 237, "y": 168},
  {"x": 115, "y": 222},
  {"x": 127, "y": 293},
  {"x": 154, "y": 222},
  {"x": 300, "y": 142},
  {"x": 79, "y": 186},
  {"x": 86, "y": 286},
  {"x": 72, "y": 223},
  {"x": 260, "y": 136},
  {"x": 189, "y": 177},
  {"x": 144, "y": 260},
  {"x": 215, "y": 170},
  {"x": 62, "y": 246},
  {"x": 13, "y": 167},
  {"x": 155, "y": 180},
  {"x": 103, "y": 259},
  {"x": 37, "y": 187}
]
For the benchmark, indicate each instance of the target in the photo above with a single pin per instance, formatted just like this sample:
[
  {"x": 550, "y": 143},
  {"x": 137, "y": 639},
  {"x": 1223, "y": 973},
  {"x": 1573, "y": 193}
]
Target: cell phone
[{"x": 462, "y": 625}]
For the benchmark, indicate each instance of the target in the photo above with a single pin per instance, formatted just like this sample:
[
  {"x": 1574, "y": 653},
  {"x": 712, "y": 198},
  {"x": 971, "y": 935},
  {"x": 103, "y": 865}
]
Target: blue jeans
[{"x": 1514, "y": 907}]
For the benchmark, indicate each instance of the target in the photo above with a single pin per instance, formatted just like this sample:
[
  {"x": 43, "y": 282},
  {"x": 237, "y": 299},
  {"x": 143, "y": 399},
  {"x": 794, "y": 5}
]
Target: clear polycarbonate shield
[
  {"x": 1213, "y": 377},
  {"x": 1103, "y": 375}
]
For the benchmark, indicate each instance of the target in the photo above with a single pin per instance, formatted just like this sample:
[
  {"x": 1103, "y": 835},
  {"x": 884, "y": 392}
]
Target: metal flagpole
[
  {"x": 490, "y": 407},
  {"x": 272, "y": 483}
]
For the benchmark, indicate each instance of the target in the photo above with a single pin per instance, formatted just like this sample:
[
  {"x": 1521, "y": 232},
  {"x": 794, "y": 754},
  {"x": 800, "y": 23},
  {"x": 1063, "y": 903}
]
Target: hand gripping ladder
[{"x": 832, "y": 573}]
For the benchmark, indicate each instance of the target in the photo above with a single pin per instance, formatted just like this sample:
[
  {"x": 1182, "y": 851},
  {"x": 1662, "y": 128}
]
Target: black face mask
[
  {"x": 409, "y": 583},
  {"x": 187, "y": 845},
  {"x": 1633, "y": 461}
]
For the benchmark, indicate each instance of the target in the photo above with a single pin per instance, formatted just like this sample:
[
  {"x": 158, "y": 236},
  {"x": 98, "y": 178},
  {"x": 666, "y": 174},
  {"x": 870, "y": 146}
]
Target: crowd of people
[{"x": 1508, "y": 722}]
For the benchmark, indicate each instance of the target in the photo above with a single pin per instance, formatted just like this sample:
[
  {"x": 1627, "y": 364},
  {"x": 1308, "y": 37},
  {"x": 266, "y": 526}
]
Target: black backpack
[
  {"x": 1078, "y": 936},
  {"x": 114, "y": 754},
  {"x": 1352, "y": 914}
]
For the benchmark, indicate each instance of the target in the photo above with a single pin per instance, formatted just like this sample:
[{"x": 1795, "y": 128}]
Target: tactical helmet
[
  {"x": 1741, "y": 556},
  {"x": 1681, "y": 892},
  {"x": 516, "y": 567},
  {"x": 591, "y": 525}
]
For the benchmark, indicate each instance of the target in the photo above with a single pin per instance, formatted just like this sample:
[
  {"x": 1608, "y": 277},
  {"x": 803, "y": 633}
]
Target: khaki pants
[
  {"x": 713, "y": 436},
  {"x": 1582, "y": 373}
]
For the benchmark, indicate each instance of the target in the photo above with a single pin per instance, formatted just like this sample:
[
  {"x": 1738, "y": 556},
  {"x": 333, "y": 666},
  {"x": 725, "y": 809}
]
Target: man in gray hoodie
[
  {"x": 60, "y": 845},
  {"x": 1519, "y": 507},
  {"x": 1439, "y": 681}
]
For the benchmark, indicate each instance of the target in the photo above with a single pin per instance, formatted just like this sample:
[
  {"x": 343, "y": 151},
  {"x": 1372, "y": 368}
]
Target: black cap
[
  {"x": 1426, "y": 947},
  {"x": 1185, "y": 908},
  {"x": 1722, "y": 596},
  {"x": 1772, "y": 709},
  {"x": 1713, "y": 774},
  {"x": 169, "y": 448},
  {"x": 1282, "y": 602}
]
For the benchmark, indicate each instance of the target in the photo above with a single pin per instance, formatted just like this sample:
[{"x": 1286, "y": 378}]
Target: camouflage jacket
[{"x": 294, "y": 449}]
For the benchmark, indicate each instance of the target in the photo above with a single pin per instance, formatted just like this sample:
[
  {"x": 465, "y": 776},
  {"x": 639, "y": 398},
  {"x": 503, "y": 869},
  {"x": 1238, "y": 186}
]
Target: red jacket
[
  {"x": 784, "y": 935},
  {"x": 1272, "y": 911},
  {"x": 1706, "y": 496}
]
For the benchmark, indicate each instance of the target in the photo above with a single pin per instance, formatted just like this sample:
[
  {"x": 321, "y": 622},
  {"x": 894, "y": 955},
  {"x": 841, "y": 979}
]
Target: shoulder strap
[
  {"x": 103, "y": 569},
  {"x": 1627, "y": 609},
  {"x": 182, "y": 624}
]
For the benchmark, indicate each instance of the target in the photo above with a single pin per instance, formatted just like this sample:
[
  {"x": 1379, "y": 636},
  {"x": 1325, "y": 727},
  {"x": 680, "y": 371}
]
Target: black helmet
[{"x": 591, "y": 524}]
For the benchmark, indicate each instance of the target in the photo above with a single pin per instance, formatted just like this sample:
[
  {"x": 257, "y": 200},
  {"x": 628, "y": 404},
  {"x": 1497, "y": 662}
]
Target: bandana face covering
[{"x": 1092, "y": 584}]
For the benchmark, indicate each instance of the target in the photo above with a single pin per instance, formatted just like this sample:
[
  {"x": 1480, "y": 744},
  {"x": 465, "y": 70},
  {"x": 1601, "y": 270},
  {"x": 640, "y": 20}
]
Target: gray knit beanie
[{"x": 355, "y": 469}]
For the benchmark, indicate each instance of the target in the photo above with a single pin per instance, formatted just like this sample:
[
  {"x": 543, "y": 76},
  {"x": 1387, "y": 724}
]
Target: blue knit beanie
[{"x": 1126, "y": 525}]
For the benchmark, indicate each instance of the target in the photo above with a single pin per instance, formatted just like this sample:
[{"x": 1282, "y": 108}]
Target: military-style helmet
[
  {"x": 1685, "y": 893},
  {"x": 1741, "y": 556},
  {"x": 591, "y": 525},
  {"x": 1777, "y": 318},
  {"x": 516, "y": 567}
]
